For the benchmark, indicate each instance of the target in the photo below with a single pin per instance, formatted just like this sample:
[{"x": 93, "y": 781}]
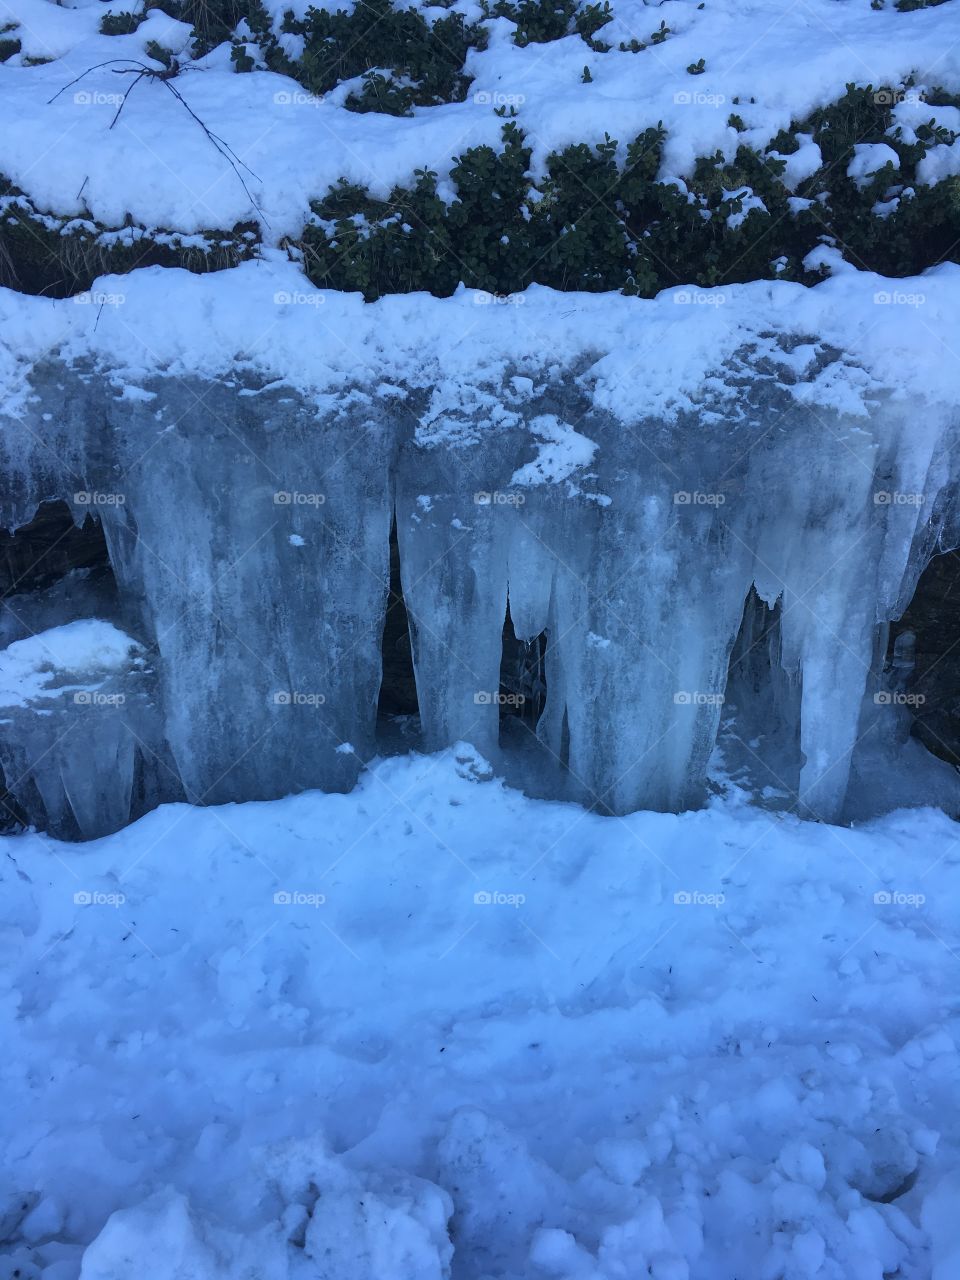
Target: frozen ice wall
[{"x": 622, "y": 487}]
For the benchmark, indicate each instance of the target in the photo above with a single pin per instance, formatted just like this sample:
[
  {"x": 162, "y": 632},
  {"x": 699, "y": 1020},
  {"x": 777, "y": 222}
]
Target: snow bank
[
  {"x": 333, "y": 1036},
  {"x": 639, "y": 357}
]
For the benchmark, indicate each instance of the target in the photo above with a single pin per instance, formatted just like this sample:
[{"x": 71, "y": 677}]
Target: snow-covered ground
[{"x": 356, "y": 1036}]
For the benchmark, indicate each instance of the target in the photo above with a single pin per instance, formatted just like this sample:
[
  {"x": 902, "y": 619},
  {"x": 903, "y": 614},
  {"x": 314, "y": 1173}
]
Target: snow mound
[
  {"x": 346, "y": 1228},
  {"x": 721, "y": 1043},
  {"x": 89, "y": 649}
]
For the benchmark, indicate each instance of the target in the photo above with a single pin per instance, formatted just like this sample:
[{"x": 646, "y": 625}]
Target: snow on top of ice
[
  {"x": 637, "y": 357},
  {"x": 770, "y": 63},
  {"x": 561, "y": 452},
  {"x": 88, "y": 647}
]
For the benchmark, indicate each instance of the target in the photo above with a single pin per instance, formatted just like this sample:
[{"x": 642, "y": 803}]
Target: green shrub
[
  {"x": 9, "y": 44},
  {"x": 120, "y": 24},
  {"x": 601, "y": 218},
  {"x": 405, "y": 60}
]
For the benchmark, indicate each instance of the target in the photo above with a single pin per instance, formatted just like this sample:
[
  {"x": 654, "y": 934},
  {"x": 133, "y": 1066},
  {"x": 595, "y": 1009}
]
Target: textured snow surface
[
  {"x": 643, "y": 356},
  {"x": 352, "y": 1036},
  {"x": 769, "y": 62}
]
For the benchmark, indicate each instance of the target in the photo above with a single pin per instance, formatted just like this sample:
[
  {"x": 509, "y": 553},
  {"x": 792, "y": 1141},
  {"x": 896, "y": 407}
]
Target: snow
[
  {"x": 644, "y": 356},
  {"x": 939, "y": 163},
  {"x": 868, "y": 158},
  {"x": 800, "y": 164},
  {"x": 155, "y": 165},
  {"x": 434, "y": 1028},
  {"x": 596, "y": 1081},
  {"x": 562, "y": 452},
  {"x": 31, "y": 668}
]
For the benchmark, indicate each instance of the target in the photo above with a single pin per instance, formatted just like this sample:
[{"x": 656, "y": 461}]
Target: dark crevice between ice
[
  {"x": 398, "y": 709},
  {"x": 923, "y": 658}
]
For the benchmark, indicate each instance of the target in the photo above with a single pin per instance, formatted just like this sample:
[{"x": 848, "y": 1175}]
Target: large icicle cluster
[{"x": 247, "y": 457}]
